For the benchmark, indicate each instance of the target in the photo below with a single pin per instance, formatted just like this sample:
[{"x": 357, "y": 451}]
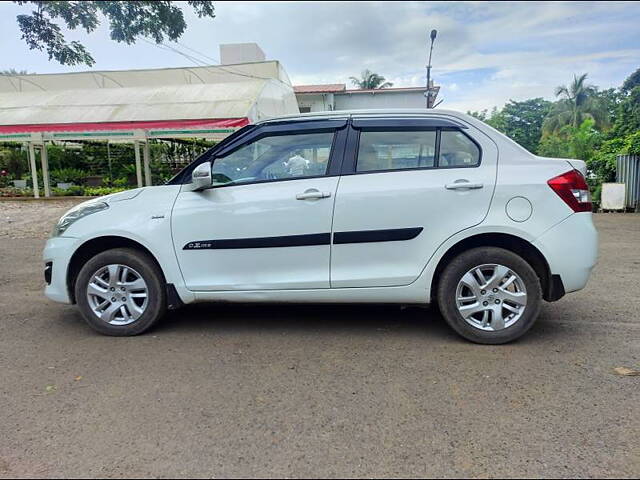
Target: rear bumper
[
  {"x": 571, "y": 250},
  {"x": 57, "y": 253}
]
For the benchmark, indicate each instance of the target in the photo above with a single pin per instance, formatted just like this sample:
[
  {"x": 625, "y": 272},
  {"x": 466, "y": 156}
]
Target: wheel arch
[
  {"x": 97, "y": 245},
  {"x": 513, "y": 243}
]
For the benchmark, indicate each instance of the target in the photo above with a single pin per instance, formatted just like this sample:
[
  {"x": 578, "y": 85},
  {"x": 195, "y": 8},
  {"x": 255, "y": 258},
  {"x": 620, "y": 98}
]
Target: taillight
[{"x": 573, "y": 189}]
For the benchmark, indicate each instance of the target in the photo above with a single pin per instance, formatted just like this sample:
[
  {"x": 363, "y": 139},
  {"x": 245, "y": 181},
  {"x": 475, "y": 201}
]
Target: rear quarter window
[{"x": 457, "y": 150}]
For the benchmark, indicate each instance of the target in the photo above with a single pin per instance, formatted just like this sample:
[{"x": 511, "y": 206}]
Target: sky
[{"x": 485, "y": 54}]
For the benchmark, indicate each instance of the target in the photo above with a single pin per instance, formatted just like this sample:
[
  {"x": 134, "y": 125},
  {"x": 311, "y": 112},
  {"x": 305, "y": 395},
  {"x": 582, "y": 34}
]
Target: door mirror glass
[{"x": 201, "y": 177}]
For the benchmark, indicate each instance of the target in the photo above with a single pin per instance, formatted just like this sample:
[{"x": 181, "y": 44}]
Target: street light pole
[{"x": 433, "y": 35}]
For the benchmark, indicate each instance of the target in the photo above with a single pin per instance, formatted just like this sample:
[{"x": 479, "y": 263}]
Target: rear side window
[
  {"x": 403, "y": 150},
  {"x": 396, "y": 150},
  {"x": 457, "y": 150}
]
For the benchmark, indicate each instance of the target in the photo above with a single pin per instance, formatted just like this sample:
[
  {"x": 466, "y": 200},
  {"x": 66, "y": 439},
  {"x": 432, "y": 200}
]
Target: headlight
[{"x": 76, "y": 214}]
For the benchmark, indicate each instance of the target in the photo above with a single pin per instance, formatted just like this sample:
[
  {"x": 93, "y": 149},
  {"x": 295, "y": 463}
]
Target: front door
[
  {"x": 409, "y": 189},
  {"x": 267, "y": 224}
]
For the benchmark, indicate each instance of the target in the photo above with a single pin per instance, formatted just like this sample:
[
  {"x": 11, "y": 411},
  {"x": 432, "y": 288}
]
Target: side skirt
[{"x": 415, "y": 293}]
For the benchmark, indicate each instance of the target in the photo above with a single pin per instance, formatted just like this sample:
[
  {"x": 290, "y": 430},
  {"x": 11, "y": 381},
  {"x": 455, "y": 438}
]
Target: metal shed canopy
[{"x": 205, "y": 102}]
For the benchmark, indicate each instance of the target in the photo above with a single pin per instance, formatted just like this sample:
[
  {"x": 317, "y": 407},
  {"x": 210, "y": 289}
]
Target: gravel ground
[
  {"x": 31, "y": 218},
  {"x": 317, "y": 391}
]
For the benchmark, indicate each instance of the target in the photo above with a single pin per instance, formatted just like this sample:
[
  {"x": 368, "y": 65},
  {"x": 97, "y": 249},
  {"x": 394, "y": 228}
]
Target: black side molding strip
[
  {"x": 362, "y": 236},
  {"x": 262, "y": 242},
  {"x": 367, "y": 236}
]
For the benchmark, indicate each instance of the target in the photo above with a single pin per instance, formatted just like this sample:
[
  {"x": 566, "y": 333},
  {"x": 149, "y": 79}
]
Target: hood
[
  {"x": 111, "y": 198},
  {"x": 579, "y": 165},
  {"x": 120, "y": 196}
]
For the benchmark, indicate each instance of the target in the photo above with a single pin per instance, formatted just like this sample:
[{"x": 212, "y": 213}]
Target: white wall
[
  {"x": 318, "y": 102},
  {"x": 322, "y": 102},
  {"x": 380, "y": 99},
  {"x": 232, "y": 53}
]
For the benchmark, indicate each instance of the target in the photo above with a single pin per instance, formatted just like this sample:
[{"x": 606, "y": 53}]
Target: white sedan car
[{"x": 395, "y": 206}]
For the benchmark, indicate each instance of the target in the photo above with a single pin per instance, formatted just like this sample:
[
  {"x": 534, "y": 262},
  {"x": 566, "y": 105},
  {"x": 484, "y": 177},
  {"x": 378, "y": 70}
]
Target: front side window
[
  {"x": 396, "y": 150},
  {"x": 275, "y": 158}
]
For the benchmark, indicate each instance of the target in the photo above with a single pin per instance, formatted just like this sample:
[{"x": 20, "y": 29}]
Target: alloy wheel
[
  {"x": 117, "y": 294},
  {"x": 491, "y": 297}
]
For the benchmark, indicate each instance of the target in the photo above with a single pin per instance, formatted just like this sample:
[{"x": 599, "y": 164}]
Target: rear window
[
  {"x": 396, "y": 150},
  {"x": 403, "y": 150}
]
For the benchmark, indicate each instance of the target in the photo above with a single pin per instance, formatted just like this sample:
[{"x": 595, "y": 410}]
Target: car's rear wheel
[
  {"x": 121, "y": 292},
  {"x": 489, "y": 295}
]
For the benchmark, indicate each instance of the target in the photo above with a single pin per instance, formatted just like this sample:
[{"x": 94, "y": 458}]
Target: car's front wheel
[
  {"x": 489, "y": 295},
  {"x": 121, "y": 292}
]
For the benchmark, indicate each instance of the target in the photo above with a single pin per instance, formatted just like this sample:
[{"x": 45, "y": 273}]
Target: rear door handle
[
  {"x": 311, "y": 194},
  {"x": 463, "y": 185}
]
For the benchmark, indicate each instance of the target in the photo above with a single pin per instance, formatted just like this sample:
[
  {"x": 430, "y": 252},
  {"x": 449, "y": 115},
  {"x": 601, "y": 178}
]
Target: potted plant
[
  {"x": 65, "y": 178},
  {"x": 15, "y": 161}
]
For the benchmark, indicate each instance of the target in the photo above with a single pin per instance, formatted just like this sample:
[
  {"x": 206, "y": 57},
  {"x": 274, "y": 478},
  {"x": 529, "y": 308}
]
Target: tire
[
  {"x": 143, "y": 306},
  {"x": 477, "y": 328}
]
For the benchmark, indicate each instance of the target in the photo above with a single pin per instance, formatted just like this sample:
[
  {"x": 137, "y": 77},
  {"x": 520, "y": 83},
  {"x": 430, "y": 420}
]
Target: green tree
[
  {"x": 631, "y": 82},
  {"x": 522, "y": 121},
  {"x": 480, "y": 114},
  {"x": 553, "y": 145},
  {"x": 609, "y": 100},
  {"x": 578, "y": 101},
  {"x": 493, "y": 118},
  {"x": 370, "y": 81},
  {"x": 128, "y": 21},
  {"x": 628, "y": 114}
]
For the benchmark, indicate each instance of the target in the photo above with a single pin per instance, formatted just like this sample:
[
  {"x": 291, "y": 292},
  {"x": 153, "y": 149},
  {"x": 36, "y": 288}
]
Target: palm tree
[
  {"x": 578, "y": 102},
  {"x": 370, "y": 81},
  {"x": 13, "y": 72}
]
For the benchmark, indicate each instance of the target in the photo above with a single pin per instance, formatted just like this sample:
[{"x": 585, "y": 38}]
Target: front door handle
[
  {"x": 463, "y": 185},
  {"x": 311, "y": 194}
]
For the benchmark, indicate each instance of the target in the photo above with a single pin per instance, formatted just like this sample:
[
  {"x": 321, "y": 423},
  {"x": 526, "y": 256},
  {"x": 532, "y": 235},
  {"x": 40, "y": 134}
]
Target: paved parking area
[{"x": 318, "y": 391}]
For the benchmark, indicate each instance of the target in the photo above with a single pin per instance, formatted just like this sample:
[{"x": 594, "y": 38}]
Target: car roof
[{"x": 341, "y": 114}]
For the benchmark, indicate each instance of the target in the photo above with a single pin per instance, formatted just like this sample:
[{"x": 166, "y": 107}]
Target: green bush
[
  {"x": 16, "y": 192},
  {"x": 72, "y": 191},
  {"x": 67, "y": 175},
  {"x": 120, "y": 182},
  {"x": 100, "y": 191},
  {"x": 632, "y": 143}
]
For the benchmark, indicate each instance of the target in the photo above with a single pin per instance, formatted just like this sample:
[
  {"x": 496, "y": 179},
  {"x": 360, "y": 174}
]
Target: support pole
[
  {"x": 136, "y": 147},
  {"x": 34, "y": 170},
  {"x": 44, "y": 159},
  {"x": 147, "y": 168}
]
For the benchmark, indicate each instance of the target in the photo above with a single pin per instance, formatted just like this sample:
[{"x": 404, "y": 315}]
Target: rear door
[{"x": 408, "y": 184}]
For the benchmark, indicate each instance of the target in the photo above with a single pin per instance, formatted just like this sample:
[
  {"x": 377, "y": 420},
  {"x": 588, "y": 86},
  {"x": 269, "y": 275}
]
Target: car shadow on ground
[
  {"x": 326, "y": 319},
  {"x": 303, "y": 318}
]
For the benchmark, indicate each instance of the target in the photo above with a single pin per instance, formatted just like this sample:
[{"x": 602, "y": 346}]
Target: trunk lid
[{"x": 579, "y": 165}]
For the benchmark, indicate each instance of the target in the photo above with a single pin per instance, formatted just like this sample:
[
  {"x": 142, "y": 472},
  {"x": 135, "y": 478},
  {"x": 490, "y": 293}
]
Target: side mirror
[{"x": 201, "y": 177}]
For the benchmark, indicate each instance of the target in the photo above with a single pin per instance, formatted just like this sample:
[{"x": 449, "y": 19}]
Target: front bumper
[
  {"x": 571, "y": 250},
  {"x": 57, "y": 253}
]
